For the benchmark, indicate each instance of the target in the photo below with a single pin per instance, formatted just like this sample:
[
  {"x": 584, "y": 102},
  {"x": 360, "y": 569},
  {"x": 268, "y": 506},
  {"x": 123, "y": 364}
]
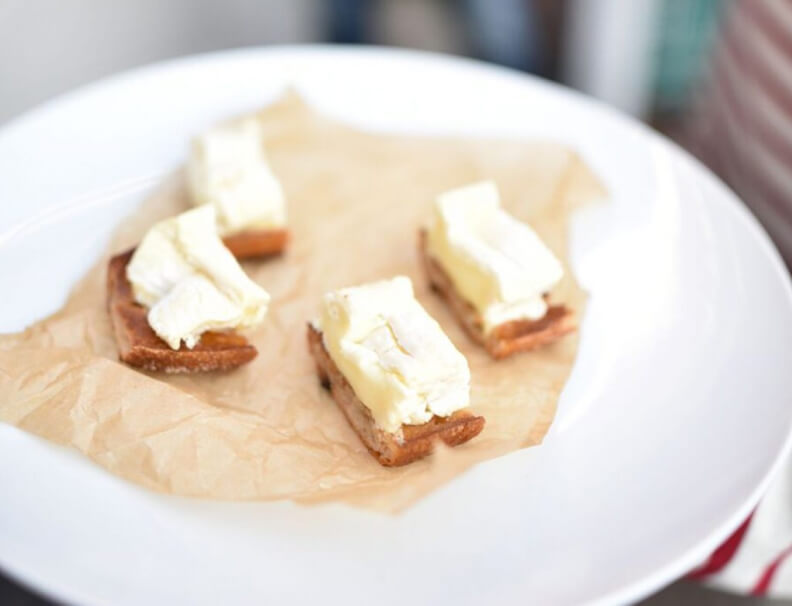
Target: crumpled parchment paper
[{"x": 268, "y": 430}]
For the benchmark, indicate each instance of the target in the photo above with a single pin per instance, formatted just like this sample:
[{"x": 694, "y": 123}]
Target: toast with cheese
[
  {"x": 227, "y": 168},
  {"x": 505, "y": 339},
  {"x": 139, "y": 346},
  {"x": 412, "y": 442}
]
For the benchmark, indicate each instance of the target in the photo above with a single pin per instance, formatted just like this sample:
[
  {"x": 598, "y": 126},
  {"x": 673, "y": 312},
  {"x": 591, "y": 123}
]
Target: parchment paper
[{"x": 268, "y": 430}]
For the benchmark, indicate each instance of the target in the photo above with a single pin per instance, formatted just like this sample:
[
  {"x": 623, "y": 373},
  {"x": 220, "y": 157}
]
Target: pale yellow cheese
[
  {"x": 191, "y": 282},
  {"x": 497, "y": 263},
  {"x": 399, "y": 362},
  {"x": 193, "y": 306},
  {"x": 227, "y": 168}
]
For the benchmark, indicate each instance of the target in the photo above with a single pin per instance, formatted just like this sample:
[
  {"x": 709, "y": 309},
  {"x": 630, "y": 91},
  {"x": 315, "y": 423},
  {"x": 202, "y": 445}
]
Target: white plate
[{"x": 676, "y": 413}]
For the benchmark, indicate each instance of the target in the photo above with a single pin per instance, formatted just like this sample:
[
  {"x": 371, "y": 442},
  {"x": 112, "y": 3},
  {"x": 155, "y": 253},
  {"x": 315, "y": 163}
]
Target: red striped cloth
[{"x": 742, "y": 128}]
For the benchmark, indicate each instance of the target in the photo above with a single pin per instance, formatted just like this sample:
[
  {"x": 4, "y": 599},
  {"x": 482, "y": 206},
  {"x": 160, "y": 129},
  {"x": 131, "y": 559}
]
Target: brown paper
[{"x": 268, "y": 430}]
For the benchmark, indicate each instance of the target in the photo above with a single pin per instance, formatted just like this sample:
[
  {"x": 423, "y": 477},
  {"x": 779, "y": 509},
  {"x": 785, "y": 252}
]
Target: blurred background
[
  {"x": 683, "y": 66},
  {"x": 643, "y": 56}
]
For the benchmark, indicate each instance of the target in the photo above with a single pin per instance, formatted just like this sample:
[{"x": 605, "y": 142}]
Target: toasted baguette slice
[
  {"x": 138, "y": 344},
  {"x": 391, "y": 450},
  {"x": 257, "y": 243},
  {"x": 508, "y": 338}
]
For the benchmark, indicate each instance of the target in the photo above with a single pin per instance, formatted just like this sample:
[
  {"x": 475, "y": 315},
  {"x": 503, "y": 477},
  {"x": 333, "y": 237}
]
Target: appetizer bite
[
  {"x": 227, "y": 169},
  {"x": 175, "y": 299},
  {"x": 494, "y": 272},
  {"x": 392, "y": 371}
]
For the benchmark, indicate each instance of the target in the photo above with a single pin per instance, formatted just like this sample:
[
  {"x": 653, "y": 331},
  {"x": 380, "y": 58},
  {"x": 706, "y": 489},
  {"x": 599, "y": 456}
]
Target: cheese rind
[
  {"x": 396, "y": 357},
  {"x": 227, "y": 169},
  {"x": 497, "y": 263},
  {"x": 191, "y": 282}
]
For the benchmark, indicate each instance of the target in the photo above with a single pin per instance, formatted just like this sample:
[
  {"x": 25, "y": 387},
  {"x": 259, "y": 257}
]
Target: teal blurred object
[{"x": 686, "y": 30}]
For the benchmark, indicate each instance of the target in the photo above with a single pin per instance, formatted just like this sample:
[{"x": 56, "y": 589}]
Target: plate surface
[{"x": 675, "y": 415}]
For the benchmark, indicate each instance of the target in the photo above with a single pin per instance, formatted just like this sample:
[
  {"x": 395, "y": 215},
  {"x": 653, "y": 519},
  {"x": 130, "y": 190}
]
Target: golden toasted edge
[
  {"x": 139, "y": 346},
  {"x": 252, "y": 243},
  {"x": 391, "y": 450},
  {"x": 508, "y": 338}
]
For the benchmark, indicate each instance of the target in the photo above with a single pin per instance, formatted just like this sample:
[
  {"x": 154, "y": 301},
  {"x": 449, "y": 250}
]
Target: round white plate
[{"x": 675, "y": 415}]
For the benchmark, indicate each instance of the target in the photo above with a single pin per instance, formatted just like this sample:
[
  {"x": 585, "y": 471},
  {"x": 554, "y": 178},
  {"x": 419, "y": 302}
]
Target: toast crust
[
  {"x": 139, "y": 346},
  {"x": 507, "y": 338},
  {"x": 252, "y": 243},
  {"x": 412, "y": 442}
]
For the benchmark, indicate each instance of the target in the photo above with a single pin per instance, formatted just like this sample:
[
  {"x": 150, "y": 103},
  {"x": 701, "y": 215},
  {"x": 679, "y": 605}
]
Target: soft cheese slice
[
  {"x": 396, "y": 357},
  {"x": 496, "y": 262},
  {"x": 158, "y": 264},
  {"x": 227, "y": 169},
  {"x": 191, "y": 308},
  {"x": 191, "y": 282},
  {"x": 203, "y": 249}
]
